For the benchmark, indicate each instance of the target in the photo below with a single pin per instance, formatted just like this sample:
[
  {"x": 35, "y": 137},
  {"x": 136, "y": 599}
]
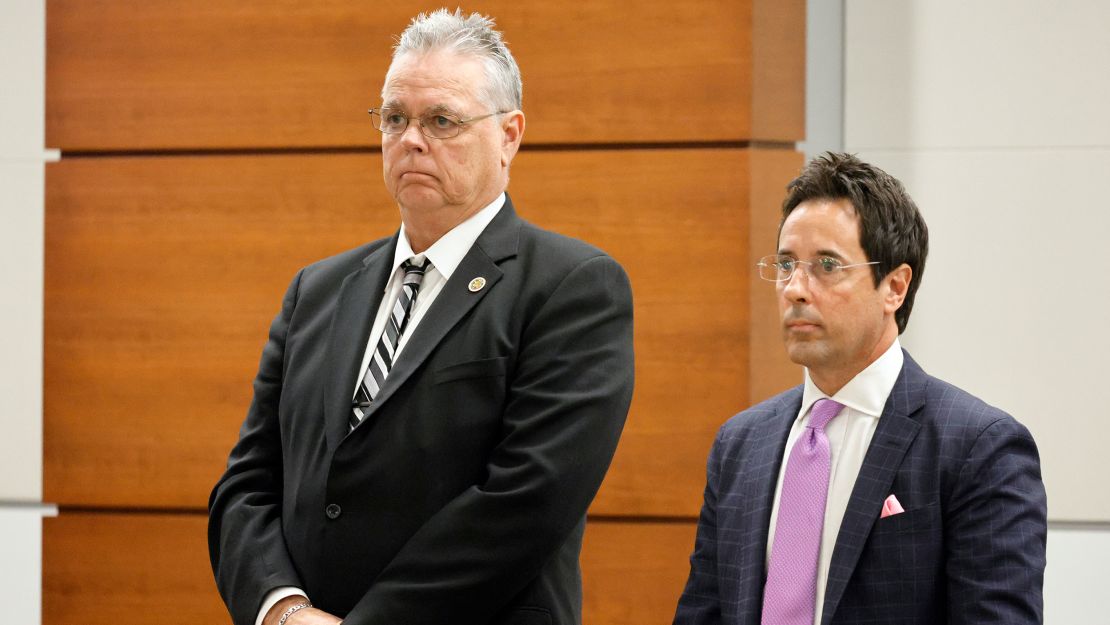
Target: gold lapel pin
[{"x": 477, "y": 284}]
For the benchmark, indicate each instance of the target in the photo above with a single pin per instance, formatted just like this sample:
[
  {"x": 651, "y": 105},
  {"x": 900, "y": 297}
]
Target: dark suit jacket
[
  {"x": 969, "y": 548},
  {"x": 461, "y": 498}
]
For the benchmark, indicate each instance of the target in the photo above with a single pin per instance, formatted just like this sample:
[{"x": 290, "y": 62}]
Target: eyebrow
[
  {"x": 435, "y": 109},
  {"x": 819, "y": 253},
  {"x": 438, "y": 109},
  {"x": 830, "y": 254}
]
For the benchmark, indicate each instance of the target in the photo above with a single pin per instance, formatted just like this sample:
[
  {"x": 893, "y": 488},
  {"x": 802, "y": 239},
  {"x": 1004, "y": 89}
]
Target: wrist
[
  {"x": 293, "y": 609},
  {"x": 279, "y": 607}
]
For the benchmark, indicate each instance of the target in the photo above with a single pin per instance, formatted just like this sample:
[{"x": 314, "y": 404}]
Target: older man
[
  {"x": 873, "y": 492},
  {"x": 434, "y": 411}
]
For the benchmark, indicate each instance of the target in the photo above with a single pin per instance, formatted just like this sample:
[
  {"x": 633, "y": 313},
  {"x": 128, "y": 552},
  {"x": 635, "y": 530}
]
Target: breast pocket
[
  {"x": 471, "y": 369},
  {"x": 906, "y": 547},
  {"x": 917, "y": 520}
]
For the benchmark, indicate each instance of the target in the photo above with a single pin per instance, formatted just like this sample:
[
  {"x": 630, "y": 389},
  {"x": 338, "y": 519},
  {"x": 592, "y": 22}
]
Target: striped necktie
[{"x": 382, "y": 359}]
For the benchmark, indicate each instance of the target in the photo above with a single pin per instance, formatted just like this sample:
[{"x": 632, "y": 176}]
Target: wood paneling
[
  {"x": 130, "y": 74},
  {"x": 778, "y": 69},
  {"x": 163, "y": 273},
  {"x": 771, "y": 370},
  {"x": 161, "y": 277},
  {"x": 633, "y": 573},
  {"x": 676, "y": 221},
  {"x": 123, "y": 569}
]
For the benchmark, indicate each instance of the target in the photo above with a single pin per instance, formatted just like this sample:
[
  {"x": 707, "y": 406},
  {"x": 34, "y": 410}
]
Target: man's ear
[
  {"x": 897, "y": 284},
  {"x": 512, "y": 127}
]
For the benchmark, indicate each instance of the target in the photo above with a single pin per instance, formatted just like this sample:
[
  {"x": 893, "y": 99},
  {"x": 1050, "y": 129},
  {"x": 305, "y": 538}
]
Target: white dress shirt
[
  {"x": 445, "y": 254},
  {"x": 849, "y": 436}
]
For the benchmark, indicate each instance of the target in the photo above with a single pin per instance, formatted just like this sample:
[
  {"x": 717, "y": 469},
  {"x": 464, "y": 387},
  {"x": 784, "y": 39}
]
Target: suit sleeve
[
  {"x": 566, "y": 405},
  {"x": 245, "y": 542},
  {"x": 700, "y": 601},
  {"x": 996, "y": 528}
]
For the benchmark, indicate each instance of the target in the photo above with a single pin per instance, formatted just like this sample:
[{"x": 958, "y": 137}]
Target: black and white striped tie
[{"x": 382, "y": 359}]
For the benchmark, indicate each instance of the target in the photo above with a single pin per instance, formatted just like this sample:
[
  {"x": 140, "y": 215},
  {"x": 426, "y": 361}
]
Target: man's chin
[
  {"x": 418, "y": 198},
  {"x": 804, "y": 353}
]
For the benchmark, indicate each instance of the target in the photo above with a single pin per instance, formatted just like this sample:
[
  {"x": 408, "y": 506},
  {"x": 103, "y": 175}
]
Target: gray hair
[{"x": 470, "y": 35}]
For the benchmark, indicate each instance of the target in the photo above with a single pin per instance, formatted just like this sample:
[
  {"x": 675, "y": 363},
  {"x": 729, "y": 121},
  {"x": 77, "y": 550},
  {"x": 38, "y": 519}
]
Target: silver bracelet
[{"x": 293, "y": 608}]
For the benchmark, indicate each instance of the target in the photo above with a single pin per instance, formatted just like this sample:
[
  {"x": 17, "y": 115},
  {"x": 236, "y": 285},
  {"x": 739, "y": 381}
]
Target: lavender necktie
[{"x": 790, "y": 595}]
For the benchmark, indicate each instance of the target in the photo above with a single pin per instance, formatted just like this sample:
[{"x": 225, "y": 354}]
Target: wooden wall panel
[
  {"x": 771, "y": 371},
  {"x": 633, "y": 573},
  {"x": 161, "y": 277},
  {"x": 131, "y": 74},
  {"x": 124, "y": 569},
  {"x": 778, "y": 69},
  {"x": 163, "y": 274},
  {"x": 666, "y": 216},
  {"x": 166, "y": 261}
]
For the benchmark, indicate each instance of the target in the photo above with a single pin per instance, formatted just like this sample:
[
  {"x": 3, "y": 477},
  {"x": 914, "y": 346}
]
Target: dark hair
[{"x": 891, "y": 229}]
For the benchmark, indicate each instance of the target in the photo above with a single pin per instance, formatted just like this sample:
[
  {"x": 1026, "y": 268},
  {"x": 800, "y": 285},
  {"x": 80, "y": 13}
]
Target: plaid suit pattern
[{"x": 969, "y": 547}]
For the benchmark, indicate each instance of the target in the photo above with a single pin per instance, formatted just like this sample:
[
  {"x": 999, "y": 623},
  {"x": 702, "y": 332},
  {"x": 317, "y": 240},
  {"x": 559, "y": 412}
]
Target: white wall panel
[
  {"x": 1014, "y": 302},
  {"x": 22, "y": 72},
  {"x": 989, "y": 73},
  {"x": 21, "y": 564},
  {"x": 1075, "y": 579},
  {"x": 22, "y": 115},
  {"x": 21, "y": 274},
  {"x": 993, "y": 113},
  {"x": 824, "y": 77}
]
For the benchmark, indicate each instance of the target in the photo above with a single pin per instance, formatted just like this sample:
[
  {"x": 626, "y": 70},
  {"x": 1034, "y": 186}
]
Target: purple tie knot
[{"x": 823, "y": 411}]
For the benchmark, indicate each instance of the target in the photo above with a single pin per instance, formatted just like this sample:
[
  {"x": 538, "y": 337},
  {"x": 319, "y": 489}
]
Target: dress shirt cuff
[{"x": 273, "y": 597}]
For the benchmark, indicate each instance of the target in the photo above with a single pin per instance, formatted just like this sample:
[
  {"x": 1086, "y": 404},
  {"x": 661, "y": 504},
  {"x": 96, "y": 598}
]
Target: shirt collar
[
  {"x": 868, "y": 391},
  {"x": 449, "y": 250}
]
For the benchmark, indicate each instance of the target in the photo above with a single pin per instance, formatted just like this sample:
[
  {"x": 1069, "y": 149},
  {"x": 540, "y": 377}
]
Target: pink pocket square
[{"x": 891, "y": 507}]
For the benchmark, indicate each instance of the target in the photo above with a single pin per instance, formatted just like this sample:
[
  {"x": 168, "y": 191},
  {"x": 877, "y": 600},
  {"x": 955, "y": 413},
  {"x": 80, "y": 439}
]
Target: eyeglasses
[
  {"x": 433, "y": 125},
  {"x": 824, "y": 269}
]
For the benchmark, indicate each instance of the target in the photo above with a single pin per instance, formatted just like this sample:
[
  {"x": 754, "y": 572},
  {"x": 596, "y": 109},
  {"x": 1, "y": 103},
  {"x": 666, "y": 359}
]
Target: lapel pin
[{"x": 477, "y": 284}]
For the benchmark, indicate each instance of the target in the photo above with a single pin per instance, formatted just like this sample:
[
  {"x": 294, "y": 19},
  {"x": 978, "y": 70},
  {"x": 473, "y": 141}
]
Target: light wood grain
[
  {"x": 778, "y": 69},
  {"x": 676, "y": 220},
  {"x": 163, "y": 273},
  {"x": 121, "y": 569},
  {"x": 161, "y": 278},
  {"x": 771, "y": 371},
  {"x": 131, "y": 74},
  {"x": 633, "y": 572}
]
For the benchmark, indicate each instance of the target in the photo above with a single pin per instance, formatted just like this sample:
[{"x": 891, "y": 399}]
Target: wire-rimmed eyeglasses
[
  {"x": 433, "y": 125},
  {"x": 824, "y": 269}
]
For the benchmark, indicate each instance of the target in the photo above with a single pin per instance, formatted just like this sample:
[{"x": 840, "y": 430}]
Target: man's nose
[
  {"x": 796, "y": 287},
  {"x": 412, "y": 137}
]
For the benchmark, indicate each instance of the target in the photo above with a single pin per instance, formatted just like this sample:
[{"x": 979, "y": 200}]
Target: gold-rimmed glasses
[{"x": 440, "y": 125}]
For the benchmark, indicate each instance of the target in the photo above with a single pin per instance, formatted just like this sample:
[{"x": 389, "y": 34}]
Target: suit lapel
[
  {"x": 497, "y": 242},
  {"x": 764, "y": 458},
  {"x": 893, "y": 435},
  {"x": 359, "y": 297}
]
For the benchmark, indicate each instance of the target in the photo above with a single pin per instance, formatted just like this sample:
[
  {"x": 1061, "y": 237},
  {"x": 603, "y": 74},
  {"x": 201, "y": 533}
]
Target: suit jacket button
[{"x": 333, "y": 511}]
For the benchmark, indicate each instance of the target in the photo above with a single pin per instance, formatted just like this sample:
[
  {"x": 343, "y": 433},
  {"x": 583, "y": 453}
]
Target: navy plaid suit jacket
[{"x": 969, "y": 548}]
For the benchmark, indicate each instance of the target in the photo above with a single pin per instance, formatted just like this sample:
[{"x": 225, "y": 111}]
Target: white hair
[{"x": 468, "y": 35}]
